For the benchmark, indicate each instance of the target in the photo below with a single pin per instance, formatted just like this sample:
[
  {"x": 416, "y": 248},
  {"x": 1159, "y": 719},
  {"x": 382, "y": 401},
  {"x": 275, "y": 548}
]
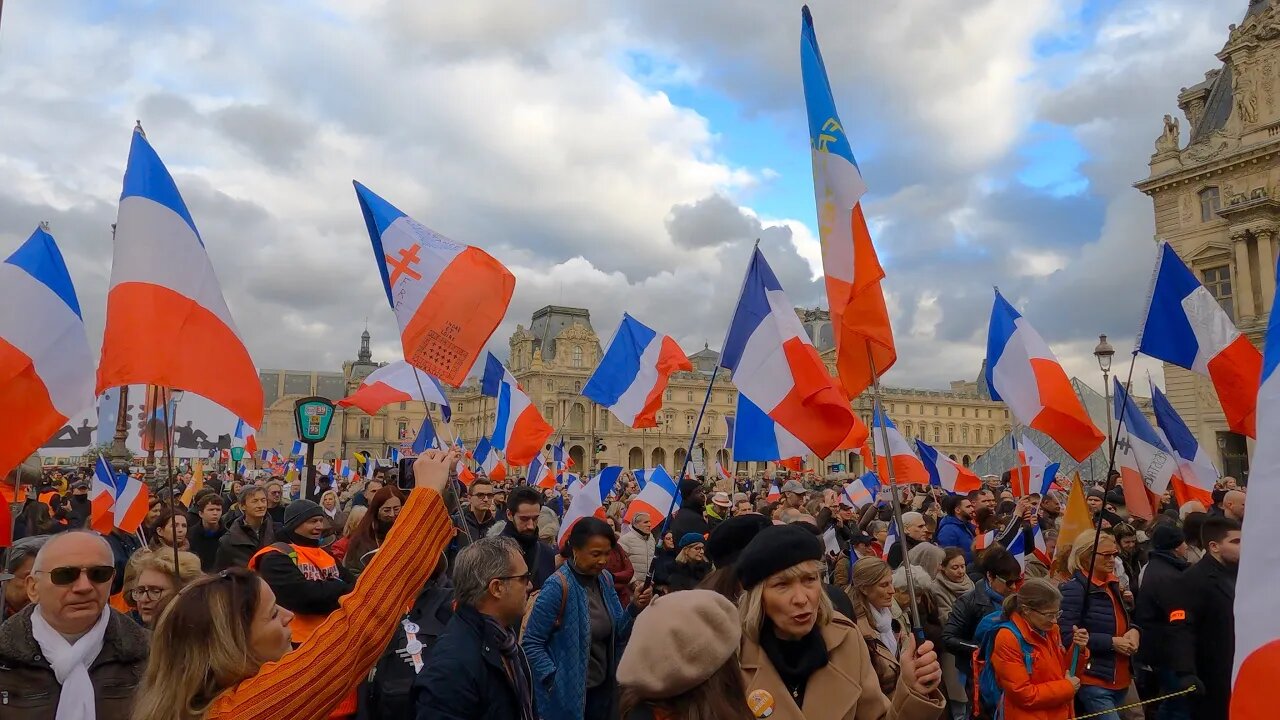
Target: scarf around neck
[
  {"x": 70, "y": 663},
  {"x": 795, "y": 660},
  {"x": 882, "y": 620},
  {"x": 513, "y": 662},
  {"x": 955, "y": 588}
]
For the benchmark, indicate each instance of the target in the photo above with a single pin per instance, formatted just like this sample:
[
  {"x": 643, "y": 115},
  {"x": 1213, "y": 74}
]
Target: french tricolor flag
[
  {"x": 984, "y": 541},
  {"x": 1147, "y": 467},
  {"x": 167, "y": 323},
  {"x": 945, "y": 472},
  {"x": 540, "y": 474},
  {"x": 757, "y": 437},
  {"x": 448, "y": 298},
  {"x": 775, "y": 492},
  {"x": 775, "y": 365},
  {"x": 589, "y": 500},
  {"x": 131, "y": 498},
  {"x": 657, "y": 497},
  {"x": 1024, "y": 373},
  {"x": 46, "y": 367},
  {"x": 1197, "y": 475},
  {"x": 907, "y": 468},
  {"x": 519, "y": 430},
  {"x": 1185, "y": 326},
  {"x": 1028, "y": 543},
  {"x": 397, "y": 382},
  {"x": 1257, "y": 623},
  {"x": 632, "y": 375},
  {"x": 487, "y": 458},
  {"x": 102, "y": 497},
  {"x": 860, "y": 492},
  {"x": 1035, "y": 473}
]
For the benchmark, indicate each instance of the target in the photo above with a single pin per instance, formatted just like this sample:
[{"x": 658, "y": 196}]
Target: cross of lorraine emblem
[{"x": 404, "y": 264}]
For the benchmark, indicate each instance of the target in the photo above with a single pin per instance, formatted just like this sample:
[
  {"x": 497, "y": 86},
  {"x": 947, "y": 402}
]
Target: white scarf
[
  {"x": 882, "y": 619},
  {"x": 70, "y": 664}
]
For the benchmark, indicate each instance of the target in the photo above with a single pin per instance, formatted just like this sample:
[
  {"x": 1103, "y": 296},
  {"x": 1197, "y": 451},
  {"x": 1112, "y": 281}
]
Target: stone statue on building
[
  {"x": 1169, "y": 137},
  {"x": 1246, "y": 96}
]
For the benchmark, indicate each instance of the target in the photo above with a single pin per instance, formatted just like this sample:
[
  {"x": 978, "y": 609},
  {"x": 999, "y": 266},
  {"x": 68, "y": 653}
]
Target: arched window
[
  {"x": 577, "y": 356},
  {"x": 402, "y": 429},
  {"x": 1210, "y": 203}
]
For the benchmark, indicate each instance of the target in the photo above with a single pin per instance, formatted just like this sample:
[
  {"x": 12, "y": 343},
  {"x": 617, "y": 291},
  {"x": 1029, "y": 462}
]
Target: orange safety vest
[{"x": 314, "y": 564}]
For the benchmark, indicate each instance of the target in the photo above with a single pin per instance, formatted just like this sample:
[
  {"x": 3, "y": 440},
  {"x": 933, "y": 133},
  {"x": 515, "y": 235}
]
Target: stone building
[
  {"x": 1214, "y": 203},
  {"x": 554, "y": 357}
]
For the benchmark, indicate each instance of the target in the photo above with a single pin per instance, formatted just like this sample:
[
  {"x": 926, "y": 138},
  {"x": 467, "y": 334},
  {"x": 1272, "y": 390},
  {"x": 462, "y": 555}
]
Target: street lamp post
[{"x": 1104, "y": 352}]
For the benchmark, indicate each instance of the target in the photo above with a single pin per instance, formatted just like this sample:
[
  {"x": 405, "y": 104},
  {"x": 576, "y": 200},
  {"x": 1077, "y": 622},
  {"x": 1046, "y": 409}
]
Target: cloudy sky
[{"x": 616, "y": 156}]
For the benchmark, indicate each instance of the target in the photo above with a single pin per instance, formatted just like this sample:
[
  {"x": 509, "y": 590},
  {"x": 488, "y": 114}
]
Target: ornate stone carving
[
  {"x": 1245, "y": 93},
  {"x": 1169, "y": 137},
  {"x": 1188, "y": 207}
]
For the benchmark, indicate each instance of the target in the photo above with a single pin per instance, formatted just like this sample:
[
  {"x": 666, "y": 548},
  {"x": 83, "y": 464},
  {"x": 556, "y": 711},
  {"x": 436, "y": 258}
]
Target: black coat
[
  {"x": 205, "y": 543},
  {"x": 387, "y": 693},
  {"x": 962, "y": 624},
  {"x": 1203, "y": 642},
  {"x": 1100, "y": 622},
  {"x": 464, "y": 678},
  {"x": 540, "y": 556},
  {"x": 1153, "y": 603},
  {"x": 688, "y": 520},
  {"x": 239, "y": 544}
]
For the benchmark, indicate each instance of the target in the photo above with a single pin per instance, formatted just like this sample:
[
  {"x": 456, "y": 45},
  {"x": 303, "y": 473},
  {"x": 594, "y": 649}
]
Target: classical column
[
  {"x": 1266, "y": 266},
  {"x": 1243, "y": 289}
]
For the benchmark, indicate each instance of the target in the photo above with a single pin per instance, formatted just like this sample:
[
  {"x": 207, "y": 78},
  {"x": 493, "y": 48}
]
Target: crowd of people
[{"x": 451, "y": 602}]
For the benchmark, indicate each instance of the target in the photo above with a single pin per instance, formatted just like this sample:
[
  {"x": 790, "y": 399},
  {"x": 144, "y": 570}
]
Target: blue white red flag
[
  {"x": 1197, "y": 475},
  {"x": 589, "y": 500},
  {"x": 45, "y": 360},
  {"x": 448, "y": 298},
  {"x": 907, "y": 468},
  {"x": 656, "y": 498},
  {"x": 426, "y": 437},
  {"x": 1186, "y": 326},
  {"x": 167, "y": 323},
  {"x": 397, "y": 382},
  {"x": 1147, "y": 466},
  {"x": 519, "y": 429},
  {"x": 131, "y": 498},
  {"x": 1024, "y": 373},
  {"x": 757, "y": 437},
  {"x": 102, "y": 497},
  {"x": 860, "y": 492},
  {"x": 945, "y": 472},
  {"x": 540, "y": 474},
  {"x": 632, "y": 376}
]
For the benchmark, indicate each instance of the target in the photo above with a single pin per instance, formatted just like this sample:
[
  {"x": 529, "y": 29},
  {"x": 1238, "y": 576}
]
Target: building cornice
[{"x": 1265, "y": 152}]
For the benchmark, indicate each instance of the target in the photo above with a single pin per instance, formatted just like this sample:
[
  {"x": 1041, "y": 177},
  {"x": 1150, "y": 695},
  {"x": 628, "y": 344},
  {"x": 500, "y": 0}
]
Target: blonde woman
[
  {"x": 803, "y": 660},
  {"x": 152, "y": 580},
  {"x": 337, "y": 518},
  {"x": 873, "y": 595},
  {"x": 222, "y": 649}
]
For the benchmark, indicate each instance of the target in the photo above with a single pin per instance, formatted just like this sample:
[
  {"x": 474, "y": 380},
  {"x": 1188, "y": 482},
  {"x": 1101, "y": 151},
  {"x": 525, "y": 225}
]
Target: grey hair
[
  {"x": 639, "y": 515},
  {"x": 478, "y": 564},
  {"x": 23, "y": 549},
  {"x": 55, "y": 539},
  {"x": 912, "y": 517}
]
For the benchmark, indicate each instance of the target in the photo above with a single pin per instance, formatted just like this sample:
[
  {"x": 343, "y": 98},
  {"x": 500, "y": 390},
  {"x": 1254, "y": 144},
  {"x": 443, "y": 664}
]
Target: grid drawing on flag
[
  {"x": 1257, "y": 625},
  {"x": 167, "y": 322},
  {"x": 850, "y": 267},
  {"x": 773, "y": 363},
  {"x": 1199, "y": 476},
  {"x": 633, "y": 374},
  {"x": 397, "y": 382},
  {"x": 656, "y": 497},
  {"x": 1185, "y": 326},
  {"x": 1024, "y": 373},
  {"x": 448, "y": 298},
  {"x": 45, "y": 360}
]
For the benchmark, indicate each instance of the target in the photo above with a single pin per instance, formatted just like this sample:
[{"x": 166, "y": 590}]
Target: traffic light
[{"x": 601, "y": 447}]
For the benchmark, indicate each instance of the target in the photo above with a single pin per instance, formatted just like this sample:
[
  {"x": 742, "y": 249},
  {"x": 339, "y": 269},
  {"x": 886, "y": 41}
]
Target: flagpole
[
  {"x": 426, "y": 407},
  {"x": 1108, "y": 487},
  {"x": 168, "y": 451},
  {"x": 917, "y": 628}
]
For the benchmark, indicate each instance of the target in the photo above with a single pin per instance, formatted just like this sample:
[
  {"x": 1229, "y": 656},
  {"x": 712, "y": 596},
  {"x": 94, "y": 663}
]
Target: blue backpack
[{"x": 990, "y": 696}]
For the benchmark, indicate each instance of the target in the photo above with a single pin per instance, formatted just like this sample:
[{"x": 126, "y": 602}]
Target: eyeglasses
[
  {"x": 1015, "y": 583},
  {"x": 1050, "y": 616},
  {"x": 98, "y": 574},
  {"x": 483, "y": 496},
  {"x": 147, "y": 593},
  {"x": 527, "y": 577}
]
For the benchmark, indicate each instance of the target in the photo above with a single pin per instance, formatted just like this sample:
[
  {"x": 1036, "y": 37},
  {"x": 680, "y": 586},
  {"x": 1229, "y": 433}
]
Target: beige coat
[{"x": 845, "y": 689}]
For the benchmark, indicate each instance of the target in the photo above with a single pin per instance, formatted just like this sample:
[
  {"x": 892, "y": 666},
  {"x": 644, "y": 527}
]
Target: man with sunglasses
[
  {"x": 477, "y": 670},
  {"x": 70, "y": 632}
]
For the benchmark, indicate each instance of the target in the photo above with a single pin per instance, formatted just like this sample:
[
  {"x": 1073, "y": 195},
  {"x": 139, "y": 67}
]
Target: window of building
[
  {"x": 733, "y": 397},
  {"x": 577, "y": 386},
  {"x": 951, "y": 434},
  {"x": 964, "y": 434},
  {"x": 402, "y": 405},
  {"x": 1210, "y": 203},
  {"x": 937, "y": 434},
  {"x": 1217, "y": 280},
  {"x": 689, "y": 396},
  {"x": 949, "y": 410},
  {"x": 548, "y": 412},
  {"x": 364, "y": 428},
  {"x": 551, "y": 384},
  {"x": 906, "y": 430},
  {"x": 577, "y": 356},
  {"x": 964, "y": 412},
  {"x": 920, "y": 410},
  {"x": 935, "y": 410},
  {"x": 668, "y": 394},
  {"x": 688, "y": 423},
  {"x": 402, "y": 429}
]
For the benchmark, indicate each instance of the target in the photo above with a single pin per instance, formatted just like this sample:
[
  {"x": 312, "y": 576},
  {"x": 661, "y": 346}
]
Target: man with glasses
[
  {"x": 68, "y": 654},
  {"x": 477, "y": 670},
  {"x": 479, "y": 515}
]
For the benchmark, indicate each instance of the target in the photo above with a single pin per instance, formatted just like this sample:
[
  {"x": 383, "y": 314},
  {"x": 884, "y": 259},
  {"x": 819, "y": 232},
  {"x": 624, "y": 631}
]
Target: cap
[{"x": 794, "y": 486}]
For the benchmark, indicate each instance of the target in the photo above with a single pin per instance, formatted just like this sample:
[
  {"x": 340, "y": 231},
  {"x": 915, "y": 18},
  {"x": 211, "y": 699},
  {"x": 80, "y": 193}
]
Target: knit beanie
[
  {"x": 300, "y": 511},
  {"x": 689, "y": 486},
  {"x": 727, "y": 539},
  {"x": 1165, "y": 538},
  {"x": 678, "y": 643},
  {"x": 688, "y": 539},
  {"x": 775, "y": 549}
]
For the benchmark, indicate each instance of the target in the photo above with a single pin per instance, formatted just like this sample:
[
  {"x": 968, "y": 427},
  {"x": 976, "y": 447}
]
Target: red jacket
[{"x": 1047, "y": 693}]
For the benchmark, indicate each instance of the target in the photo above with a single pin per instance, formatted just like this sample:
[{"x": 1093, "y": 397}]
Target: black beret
[
  {"x": 775, "y": 549},
  {"x": 728, "y": 539}
]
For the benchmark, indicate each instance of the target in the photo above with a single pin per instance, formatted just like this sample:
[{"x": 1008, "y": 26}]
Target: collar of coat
[
  {"x": 125, "y": 641},
  {"x": 831, "y": 691}
]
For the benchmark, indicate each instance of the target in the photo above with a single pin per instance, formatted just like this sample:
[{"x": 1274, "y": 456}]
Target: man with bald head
[
  {"x": 68, "y": 654},
  {"x": 1233, "y": 505}
]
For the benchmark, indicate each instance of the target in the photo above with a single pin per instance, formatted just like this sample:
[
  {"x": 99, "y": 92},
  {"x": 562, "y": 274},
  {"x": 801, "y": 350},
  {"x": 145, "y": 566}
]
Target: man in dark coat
[
  {"x": 689, "y": 518},
  {"x": 1202, "y": 632},
  {"x": 248, "y": 534},
  {"x": 477, "y": 670},
  {"x": 524, "y": 507}
]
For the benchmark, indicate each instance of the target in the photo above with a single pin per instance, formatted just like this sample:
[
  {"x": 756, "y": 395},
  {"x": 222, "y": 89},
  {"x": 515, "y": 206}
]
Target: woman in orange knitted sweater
[{"x": 222, "y": 648}]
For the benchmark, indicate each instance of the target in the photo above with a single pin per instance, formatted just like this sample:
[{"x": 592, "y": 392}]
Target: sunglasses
[{"x": 98, "y": 574}]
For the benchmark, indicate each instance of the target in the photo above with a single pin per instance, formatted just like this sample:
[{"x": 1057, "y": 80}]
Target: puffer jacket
[
  {"x": 1100, "y": 622},
  {"x": 29, "y": 690},
  {"x": 640, "y": 549},
  {"x": 953, "y": 532}
]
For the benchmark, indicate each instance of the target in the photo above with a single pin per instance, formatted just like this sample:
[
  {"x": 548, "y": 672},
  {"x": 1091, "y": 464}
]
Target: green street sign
[
  {"x": 312, "y": 416},
  {"x": 237, "y": 454}
]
